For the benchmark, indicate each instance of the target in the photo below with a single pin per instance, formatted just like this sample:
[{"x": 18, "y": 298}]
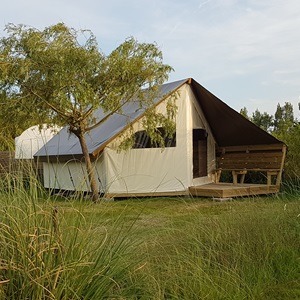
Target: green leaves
[
  {"x": 285, "y": 127},
  {"x": 263, "y": 120},
  {"x": 128, "y": 70},
  {"x": 61, "y": 70},
  {"x": 51, "y": 68}
]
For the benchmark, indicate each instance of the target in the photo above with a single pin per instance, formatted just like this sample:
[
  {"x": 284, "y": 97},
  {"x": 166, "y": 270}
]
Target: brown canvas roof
[{"x": 229, "y": 127}]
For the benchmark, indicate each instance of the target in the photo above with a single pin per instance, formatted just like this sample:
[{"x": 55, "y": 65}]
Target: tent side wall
[
  {"x": 153, "y": 170},
  {"x": 72, "y": 175}
]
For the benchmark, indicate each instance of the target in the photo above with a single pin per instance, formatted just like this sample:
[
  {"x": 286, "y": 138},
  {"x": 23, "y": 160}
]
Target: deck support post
[{"x": 235, "y": 176}]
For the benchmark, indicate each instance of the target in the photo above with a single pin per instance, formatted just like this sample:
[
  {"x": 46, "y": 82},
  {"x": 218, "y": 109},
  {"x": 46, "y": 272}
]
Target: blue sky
[{"x": 246, "y": 52}]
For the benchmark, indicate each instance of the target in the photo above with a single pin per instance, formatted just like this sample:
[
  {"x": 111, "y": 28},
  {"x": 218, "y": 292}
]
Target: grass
[
  {"x": 243, "y": 249},
  {"x": 159, "y": 248}
]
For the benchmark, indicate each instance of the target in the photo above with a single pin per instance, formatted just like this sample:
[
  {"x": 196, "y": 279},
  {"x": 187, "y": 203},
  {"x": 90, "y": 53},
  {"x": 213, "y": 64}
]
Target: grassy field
[{"x": 160, "y": 248}]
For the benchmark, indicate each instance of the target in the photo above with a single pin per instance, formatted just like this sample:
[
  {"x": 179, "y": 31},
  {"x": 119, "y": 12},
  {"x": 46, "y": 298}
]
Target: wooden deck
[{"x": 228, "y": 190}]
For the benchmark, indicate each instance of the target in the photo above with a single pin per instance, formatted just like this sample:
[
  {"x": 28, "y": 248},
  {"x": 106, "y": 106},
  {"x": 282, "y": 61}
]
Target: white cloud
[{"x": 240, "y": 49}]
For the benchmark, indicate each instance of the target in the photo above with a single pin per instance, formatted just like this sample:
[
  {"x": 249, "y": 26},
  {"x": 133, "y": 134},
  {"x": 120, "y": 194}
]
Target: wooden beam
[
  {"x": 278, "y": 180},
  {"x": 250, "y": 148},
  {"x": 149, "y": 194},
  {"x": 269, "y": 176},
  {"x": 235, "y": 174}
]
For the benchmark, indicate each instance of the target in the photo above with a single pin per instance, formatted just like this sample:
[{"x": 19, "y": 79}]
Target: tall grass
[
  {"x": 166, "y": 248},
  {"x": 49, "y": 252},
  {"x": 291, "y": 187},
  {"x": 244, "y": 251}
]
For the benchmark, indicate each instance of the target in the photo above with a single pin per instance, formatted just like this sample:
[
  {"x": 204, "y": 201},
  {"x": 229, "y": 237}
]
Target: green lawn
[{"x": 160, "y": 248}]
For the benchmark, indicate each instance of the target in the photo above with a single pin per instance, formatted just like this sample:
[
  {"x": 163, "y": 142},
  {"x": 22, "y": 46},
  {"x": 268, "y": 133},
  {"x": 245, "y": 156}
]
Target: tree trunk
[{"x": 89, "y": 167}]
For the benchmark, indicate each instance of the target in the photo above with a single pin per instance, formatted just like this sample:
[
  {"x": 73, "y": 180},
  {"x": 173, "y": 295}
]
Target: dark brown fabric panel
[{"x": 229, "y": 127}]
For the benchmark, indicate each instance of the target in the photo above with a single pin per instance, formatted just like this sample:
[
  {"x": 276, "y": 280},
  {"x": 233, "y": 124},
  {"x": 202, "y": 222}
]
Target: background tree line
[{"x": 284, "y": 126}]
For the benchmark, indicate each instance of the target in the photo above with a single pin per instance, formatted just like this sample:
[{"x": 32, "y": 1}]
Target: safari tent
[
  {"x": 32, "y": 139},
  {"x": 210, "y": 138},
  {"x": 26, "y": 145}
]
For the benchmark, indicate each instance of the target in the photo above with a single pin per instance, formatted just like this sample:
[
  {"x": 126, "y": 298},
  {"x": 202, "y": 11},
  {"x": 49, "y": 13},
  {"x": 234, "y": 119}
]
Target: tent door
[{"x": 199, "y": 153}]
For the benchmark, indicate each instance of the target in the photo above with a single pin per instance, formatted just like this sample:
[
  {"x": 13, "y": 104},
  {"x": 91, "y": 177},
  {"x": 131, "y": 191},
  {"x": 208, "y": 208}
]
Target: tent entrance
[{"x": 199, "y": 153}]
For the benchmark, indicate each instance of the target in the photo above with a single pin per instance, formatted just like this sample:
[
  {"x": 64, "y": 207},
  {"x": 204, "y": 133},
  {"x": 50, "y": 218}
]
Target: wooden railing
[{"x": 259, "y": 158}]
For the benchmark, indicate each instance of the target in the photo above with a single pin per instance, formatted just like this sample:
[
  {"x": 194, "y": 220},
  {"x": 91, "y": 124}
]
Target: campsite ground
[
  {"x": 159, "y": 248},
  {"x": 194, "y": 248}
]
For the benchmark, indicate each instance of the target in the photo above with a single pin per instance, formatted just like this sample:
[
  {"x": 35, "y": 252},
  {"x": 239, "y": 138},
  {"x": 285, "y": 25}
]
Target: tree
[
  {"x": 244, "y": 112},
  {"x": 59, "y": 74},
  {"x": 262, "y": 120},
  {"x": 14, "y": 119},
  {"x": 284, "y": 117},
  {"x": 9, "y": 128},
  {"x": 287, "y": 129}
]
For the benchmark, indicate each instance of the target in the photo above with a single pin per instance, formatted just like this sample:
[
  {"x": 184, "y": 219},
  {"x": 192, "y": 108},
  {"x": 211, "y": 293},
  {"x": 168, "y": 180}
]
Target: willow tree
[{"x": 60, "y": 74}]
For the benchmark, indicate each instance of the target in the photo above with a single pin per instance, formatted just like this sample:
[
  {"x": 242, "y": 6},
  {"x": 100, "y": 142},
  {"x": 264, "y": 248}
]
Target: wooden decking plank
[{"x": 226, "y": 190}]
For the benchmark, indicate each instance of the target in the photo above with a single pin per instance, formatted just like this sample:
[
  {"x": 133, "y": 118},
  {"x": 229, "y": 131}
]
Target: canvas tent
[
  {"x": 204, "y": 124},
  {"x": 32, "y": 139}
]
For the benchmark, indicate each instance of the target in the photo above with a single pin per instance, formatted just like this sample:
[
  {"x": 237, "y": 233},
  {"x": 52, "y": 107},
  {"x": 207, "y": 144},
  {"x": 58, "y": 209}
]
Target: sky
[{"x": 246, "y": 52}]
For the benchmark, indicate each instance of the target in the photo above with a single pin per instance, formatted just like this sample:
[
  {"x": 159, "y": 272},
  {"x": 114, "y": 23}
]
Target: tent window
[{"x": 142, "y": 139}]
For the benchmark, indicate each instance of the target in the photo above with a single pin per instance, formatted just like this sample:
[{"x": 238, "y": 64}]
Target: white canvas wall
[
  {"x": 154, "y": 170},
  {"x": 72, "y": 175},
  {"x": 32, "y": 139}
]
